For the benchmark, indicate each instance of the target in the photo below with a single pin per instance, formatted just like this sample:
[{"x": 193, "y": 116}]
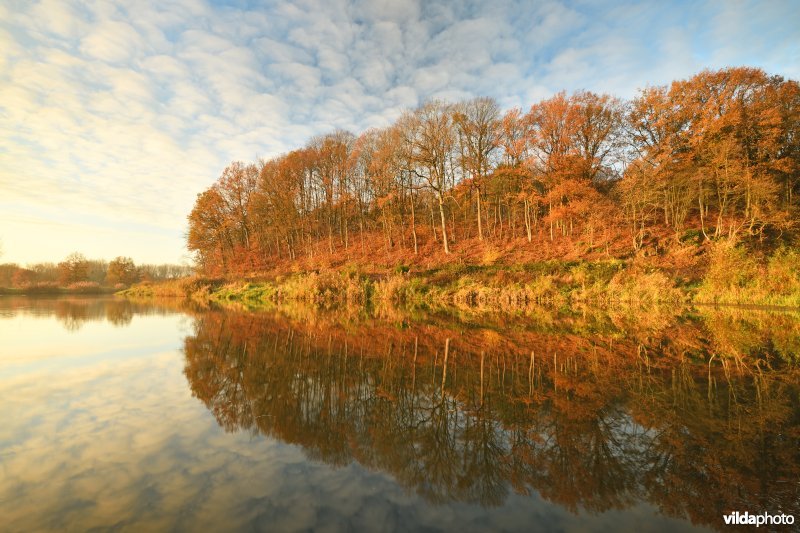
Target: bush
[
  {"x": 41, "y": 287},
  {"x": 691, "y": 236},
  {"x": 87, "y": 287},
  {"x": 636, "y": 286},
  {"x": 730, "y": 270},
  {"x": 402, "y": 269},
  {"x": 783, "y": 274},
  {"x": 734, "y": 277},
  {"x": 327, "y": 286}
]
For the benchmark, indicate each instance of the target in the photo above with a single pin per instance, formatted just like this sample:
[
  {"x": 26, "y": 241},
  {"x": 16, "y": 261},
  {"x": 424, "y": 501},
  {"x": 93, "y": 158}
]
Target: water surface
[{"x": 154, "y": 416}]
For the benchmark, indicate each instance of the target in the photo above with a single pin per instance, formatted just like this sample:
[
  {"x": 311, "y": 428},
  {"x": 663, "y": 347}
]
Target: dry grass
[
  {"x": 189, "y": 287},
  {"x": 735, "y": 276},
  {"x": 731, "y": 277},
  {"x": 637, "y": 287}
]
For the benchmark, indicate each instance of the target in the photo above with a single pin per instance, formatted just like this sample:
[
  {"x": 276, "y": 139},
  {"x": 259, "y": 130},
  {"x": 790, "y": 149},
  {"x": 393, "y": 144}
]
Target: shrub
[
  {"x": 730, "y": 270},
  {"x": 87, "y": 287},
  {"x": 41, "y": 287},
  {"x": 402, "y": 269},
  {"x": 783, "y": 274},
  {"x": 636, "y": 286},
  {"x": 734, "y": 277}
]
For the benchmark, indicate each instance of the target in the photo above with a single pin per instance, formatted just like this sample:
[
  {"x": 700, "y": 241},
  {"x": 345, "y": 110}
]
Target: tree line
[
  {"x": 76, "y": 268},
  {"x": 716, "y": 156}
]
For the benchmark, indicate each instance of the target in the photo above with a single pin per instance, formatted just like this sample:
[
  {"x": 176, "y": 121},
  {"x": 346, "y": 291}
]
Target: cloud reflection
[{"x": 116, "y": 441}]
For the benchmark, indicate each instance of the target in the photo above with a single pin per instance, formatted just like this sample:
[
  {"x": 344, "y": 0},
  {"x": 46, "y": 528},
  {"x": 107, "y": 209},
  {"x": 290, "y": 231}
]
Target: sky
[{"x": 114, "y": 115}]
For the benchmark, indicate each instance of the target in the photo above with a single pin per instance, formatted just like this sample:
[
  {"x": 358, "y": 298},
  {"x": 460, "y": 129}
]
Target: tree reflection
[
  {"x": 589, "y": 418},
  {"x": 75, "y": 311}
]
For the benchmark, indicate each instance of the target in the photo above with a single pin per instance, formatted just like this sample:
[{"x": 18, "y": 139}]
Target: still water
[{"x": 161, "y": 416}]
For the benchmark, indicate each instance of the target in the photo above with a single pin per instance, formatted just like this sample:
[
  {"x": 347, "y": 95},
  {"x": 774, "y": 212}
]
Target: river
[{"x": 149, "y": 416}]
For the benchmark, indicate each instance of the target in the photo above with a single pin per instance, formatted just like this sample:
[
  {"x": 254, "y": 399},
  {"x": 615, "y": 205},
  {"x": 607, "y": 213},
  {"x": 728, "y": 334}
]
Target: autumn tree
[
  {"x": 721, "y": 145},
  {"x": 516, "y": 138},
  {"x": 394, "y": 184},
  {"x": 575, "y": 143},
  {"x": 718, "y": 152},
  {"x": 7, "y": 271},
  {"x": 362, "y": 167},
  {"x": 23, "y": 277},
  {"x": 122, "y": 270},
  {"x": 73, "y": 269},
  {"x": 220, "y": 223},
  {"x": 330, "y": 168},
  {"x": 477, "y": 123},
  {"x": 639, "y": 199},
  {"x": 209, "y": 235},
  {"x": 236, "y": 186},
  {"x": 276, "y": 208},
  {"x": 428, "y": 141}
]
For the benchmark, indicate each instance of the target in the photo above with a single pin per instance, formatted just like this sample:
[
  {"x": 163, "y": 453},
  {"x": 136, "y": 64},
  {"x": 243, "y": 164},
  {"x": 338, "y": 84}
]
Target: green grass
[
  {"x": 54, "y": 291},
  {"x": 732, "y": 278}
]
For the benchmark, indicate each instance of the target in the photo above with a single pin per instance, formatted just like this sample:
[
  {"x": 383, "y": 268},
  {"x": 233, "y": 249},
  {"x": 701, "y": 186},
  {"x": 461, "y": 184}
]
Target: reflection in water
[
  {"x": 74, "y": 311},
  {"x": 592, "y": 411},
  {"x": 390, "y": 419}
]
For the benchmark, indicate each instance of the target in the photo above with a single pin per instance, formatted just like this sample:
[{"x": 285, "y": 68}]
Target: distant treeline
[
  {"x": 713, "y": 157},
  {"x": 76, "y": 270}
]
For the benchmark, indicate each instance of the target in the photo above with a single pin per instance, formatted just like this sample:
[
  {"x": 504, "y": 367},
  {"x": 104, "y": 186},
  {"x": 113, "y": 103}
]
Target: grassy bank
[
  {"x": 736, "y": 277},
  {"x": 193, "y": 287},
  {"x": 46, "y": 289},
  {"x": 731, "y": 278}
]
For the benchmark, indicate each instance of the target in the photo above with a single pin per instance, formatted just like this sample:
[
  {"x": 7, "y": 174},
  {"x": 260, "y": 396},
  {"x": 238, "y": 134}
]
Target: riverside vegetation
[
  {"x": 686, "y": 193},
  {"x": 78, "y": 275},
  {"x": 732, "y": 277}
]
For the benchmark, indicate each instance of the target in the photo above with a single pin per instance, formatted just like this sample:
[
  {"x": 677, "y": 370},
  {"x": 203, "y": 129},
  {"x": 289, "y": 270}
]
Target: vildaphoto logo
[{"x": 764, "y": 519}]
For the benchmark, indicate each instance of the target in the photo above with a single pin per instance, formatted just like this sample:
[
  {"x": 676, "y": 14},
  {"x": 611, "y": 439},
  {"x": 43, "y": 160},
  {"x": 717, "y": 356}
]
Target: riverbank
[
  {"x": 50, "y": 290},
  {"x": 739, "y": 282}
]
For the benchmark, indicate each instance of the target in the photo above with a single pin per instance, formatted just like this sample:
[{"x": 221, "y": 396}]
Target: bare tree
[
  {"x": 478, "y": 126},
  {"x": 428, "y": 140}
]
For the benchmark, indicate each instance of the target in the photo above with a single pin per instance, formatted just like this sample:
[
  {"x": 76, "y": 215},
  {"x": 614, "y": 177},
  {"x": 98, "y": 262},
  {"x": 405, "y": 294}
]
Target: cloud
[
  {"x": 125, "y": 112},
  {"x": 113, "y": 42}
]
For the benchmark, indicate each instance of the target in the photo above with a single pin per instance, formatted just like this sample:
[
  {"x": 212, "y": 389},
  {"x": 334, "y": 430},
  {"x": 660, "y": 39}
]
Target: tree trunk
[
  {"x": 444, "y": 223},
  {"x": 414, "y": 224},
  {"x": 361, "y": 232},
  {"x": 480, "y": 223},
  {"x": 346, "y": 240},
  {"x": 702, "y": 220},
  {"x": 433, "y": 226},
  {"x": 386, "y": 231},
  {"x": 527, "y": 220}
]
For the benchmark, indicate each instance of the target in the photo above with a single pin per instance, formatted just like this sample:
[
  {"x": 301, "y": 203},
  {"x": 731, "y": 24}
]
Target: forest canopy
[{"x": 713, "y": 157}]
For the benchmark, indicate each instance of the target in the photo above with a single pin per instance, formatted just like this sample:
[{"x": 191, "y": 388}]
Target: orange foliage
[{"x": 580, "y": 175}]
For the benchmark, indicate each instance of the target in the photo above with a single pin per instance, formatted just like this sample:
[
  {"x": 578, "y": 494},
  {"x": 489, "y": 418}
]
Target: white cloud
[
  {"x": 387, "y": 10},
  {"x": 58, "y": 18},
  {"x": 113, "y": 42},
  {"x": 125, "y": 111}
]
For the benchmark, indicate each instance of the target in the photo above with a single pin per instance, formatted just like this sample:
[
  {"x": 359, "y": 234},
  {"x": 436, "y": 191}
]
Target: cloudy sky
[{"x": 114, "y": 115}]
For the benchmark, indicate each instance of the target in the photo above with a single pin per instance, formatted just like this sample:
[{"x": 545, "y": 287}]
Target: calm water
[{"x": 134, "y": 416}]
